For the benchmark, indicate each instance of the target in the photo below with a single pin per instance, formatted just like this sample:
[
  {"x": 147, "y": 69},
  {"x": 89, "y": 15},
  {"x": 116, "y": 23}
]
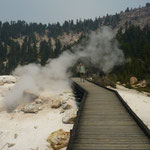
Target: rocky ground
[
  {"x": 45, "y": 123},
  {"x": 39, "y": 125}
]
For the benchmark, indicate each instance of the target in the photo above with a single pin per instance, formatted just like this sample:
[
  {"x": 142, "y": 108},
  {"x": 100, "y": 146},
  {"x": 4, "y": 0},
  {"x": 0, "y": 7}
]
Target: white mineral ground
[
  {"x": 139, "y": 102},
  {"x": 29, "y": 131}
]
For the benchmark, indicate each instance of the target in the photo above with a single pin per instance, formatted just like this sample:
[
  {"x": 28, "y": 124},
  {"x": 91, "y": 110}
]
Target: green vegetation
[
  {"x": 13, "y": 53},
  {"x": 135, "y": 43},
  {"x": 145, "y": 89},
  {"x": 19, "y": 44}
]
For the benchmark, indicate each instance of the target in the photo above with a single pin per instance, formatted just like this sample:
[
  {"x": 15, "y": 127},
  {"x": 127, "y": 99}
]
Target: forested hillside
[
  {"x": 135, "y": 43},
  {"x": 23, "y": 43}
]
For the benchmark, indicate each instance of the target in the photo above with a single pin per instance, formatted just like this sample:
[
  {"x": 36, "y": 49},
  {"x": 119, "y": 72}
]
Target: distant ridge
[{"x": 23, "y": 43}]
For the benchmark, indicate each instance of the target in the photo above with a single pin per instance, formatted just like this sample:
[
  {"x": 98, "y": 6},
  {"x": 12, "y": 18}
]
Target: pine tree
[
  {"x": 3, "y": 51},
  {"x": 44, "y": 52},
  {"x": 58, "y": 46}
]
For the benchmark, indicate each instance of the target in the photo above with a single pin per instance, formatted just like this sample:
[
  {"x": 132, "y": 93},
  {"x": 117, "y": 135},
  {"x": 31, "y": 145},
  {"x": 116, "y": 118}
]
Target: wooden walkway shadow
[{"x": 105, "y": 124}]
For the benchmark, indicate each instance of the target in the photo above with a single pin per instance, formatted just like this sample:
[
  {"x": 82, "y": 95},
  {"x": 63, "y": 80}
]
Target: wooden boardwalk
[{"x": 105, "y": 124}]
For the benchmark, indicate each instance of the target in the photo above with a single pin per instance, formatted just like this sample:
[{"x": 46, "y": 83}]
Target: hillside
[
  {"x": 138, "y": 16},
  {"x": 23, "y": 43}
]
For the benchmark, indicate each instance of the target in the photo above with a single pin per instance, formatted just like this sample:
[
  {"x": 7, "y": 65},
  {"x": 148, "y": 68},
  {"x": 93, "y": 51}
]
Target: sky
[{"x": 52, "y": 11}]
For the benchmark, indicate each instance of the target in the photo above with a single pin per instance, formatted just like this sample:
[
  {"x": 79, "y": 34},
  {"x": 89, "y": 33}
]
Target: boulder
[
  {"x": 62, "y": 111},
  {"x": 69, "y": 117},
  {"x": 118, "y": 83},
  {"x": 134, "y": 86},
  {"x": 142, "y": 84},
  {"x": 11, "y": 144},
  {"x": 55, "y": 104},
  {"x": 15, "y": 136},
  {"x": 133, "y": 80},
  {"x": 44, "y": 98},
  {"x": 38, "y": 101},
  {"x": 35, "y": 127},
  {"x": 64, "y": 101},
  {"x": 10, "y": 82},
  {"x": 1, "y": 83},
  {"x": 58, "y": 139},
  {"x": 148, "y": 95},
  {"x": 66, "y": 106},
  {"x": 30, "y": 108}
]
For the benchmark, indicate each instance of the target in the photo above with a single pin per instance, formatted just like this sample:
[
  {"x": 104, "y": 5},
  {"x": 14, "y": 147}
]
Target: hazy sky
[{"x": 51, "y": 11}]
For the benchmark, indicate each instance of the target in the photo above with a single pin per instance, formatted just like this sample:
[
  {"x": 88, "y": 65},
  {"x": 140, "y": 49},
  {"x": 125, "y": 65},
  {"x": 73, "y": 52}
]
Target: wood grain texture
[{"x": 105, "y": 124}]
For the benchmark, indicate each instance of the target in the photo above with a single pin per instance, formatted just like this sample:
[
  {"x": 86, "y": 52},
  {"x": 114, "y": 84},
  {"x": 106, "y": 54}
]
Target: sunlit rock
[
  {"x": 133, "y": 80},
  {"x": 58, "y": 139},
  {"x": 30, "y": 108},
  {"x": 69, "y": 117},
  {"x": 56, "y": 104}
]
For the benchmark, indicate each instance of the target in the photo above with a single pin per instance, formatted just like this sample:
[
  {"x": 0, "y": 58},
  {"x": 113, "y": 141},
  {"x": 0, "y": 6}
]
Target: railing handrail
[{"x": 73, "y": 131}]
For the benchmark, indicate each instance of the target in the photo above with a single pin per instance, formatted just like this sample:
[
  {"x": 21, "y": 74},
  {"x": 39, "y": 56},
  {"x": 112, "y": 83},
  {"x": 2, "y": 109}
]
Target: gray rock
[
  {"x": 56, "y": 104},
  {"x": 1, "y": 83},
  {"x": 16, "y": 110},
  {"x": 38, "y": 101},
  {"x": 66, "y": 106},
  {"x": 15, "y": 136},
  {"x": 69, "y": 117},
  {"x": 63, "y": 102},
  {"x": 142, "y": 84},
  {"x": 30, "y": 108},
  {"x": 148, "y": 95},
  {"x": 35, "y": 127},
  {"x": 62, "y": 111},
  {"x": 11, "y": 144},
  {"x": 118, "y": 82}
]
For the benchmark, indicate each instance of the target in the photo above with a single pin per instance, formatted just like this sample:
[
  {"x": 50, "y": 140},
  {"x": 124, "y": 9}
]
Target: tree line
[
  {"x": 16, "y": 29},
  {"x": 135, "y": 43},
  {"x": 13, "y": 54}
]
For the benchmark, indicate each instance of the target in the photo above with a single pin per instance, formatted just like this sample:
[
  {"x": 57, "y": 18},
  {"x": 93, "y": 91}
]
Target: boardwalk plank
[{"x": 105, "y": 124}]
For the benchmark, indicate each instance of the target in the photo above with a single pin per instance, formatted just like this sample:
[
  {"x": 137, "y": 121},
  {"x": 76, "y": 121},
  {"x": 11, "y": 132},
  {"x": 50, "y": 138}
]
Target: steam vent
[{"x": 75, "y": 75}]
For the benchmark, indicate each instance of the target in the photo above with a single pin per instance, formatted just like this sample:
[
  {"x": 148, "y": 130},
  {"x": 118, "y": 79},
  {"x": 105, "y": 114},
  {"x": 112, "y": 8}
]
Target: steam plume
[{"x": 101, "y": 51}]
